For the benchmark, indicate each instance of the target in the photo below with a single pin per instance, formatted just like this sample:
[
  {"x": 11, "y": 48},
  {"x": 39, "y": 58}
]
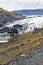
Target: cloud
[{"x": 21, "y": 4}]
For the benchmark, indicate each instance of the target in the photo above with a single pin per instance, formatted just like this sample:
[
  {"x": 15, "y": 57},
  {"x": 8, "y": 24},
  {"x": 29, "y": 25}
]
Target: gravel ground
[{"x": 35, "y": 58}]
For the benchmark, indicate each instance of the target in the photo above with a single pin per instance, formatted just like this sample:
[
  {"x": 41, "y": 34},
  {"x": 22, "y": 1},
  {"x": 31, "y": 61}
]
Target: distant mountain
[
  {"x": 6, "y": 16},
  {"x": 29, "y": 12}
]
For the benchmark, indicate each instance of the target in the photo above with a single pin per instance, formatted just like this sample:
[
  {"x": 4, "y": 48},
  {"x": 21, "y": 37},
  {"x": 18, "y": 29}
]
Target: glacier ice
[{"x": 29, "y": 22}]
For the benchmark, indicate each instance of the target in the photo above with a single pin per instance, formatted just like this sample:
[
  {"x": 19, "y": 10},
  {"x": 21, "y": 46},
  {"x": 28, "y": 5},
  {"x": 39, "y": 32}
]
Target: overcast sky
[{"x": 21, "y": 4}]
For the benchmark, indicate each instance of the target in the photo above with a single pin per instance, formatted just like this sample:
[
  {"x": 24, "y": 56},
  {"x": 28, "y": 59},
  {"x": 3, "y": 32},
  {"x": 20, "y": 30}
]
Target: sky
[{"x": 21, "y": 4}]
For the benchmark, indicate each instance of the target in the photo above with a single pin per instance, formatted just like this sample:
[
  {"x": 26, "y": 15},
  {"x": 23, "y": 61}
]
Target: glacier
[
  {"x": 31, "y": 22},
  {"x": 28, "y": 24}
]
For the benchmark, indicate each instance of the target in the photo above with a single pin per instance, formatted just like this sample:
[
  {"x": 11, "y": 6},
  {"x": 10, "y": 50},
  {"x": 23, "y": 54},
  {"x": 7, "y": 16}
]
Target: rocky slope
[
  {"x": 6, "y": 16},
  {"x": 16, "y": 51}
]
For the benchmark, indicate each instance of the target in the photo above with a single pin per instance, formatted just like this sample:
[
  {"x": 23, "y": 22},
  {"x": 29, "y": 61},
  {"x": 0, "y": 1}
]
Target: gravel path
[{"x": 35, "y": 58}]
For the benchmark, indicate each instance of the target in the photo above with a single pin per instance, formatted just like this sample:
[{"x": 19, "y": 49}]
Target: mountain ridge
[
  {"x": 6, "y": 16},
  {"x": 29, "y": 11}
]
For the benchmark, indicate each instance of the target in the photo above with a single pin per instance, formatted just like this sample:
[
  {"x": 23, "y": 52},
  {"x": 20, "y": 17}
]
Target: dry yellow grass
[{"x": 22, "y": 44}]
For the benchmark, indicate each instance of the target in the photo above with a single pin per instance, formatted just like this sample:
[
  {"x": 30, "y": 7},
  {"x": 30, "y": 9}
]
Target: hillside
[
  {"x": 6, "y": 16},
  {"x": 19, "y": 46}
]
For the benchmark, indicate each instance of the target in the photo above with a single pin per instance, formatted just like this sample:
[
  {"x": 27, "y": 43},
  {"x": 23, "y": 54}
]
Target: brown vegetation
[{"x": 21, "y": 44}]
